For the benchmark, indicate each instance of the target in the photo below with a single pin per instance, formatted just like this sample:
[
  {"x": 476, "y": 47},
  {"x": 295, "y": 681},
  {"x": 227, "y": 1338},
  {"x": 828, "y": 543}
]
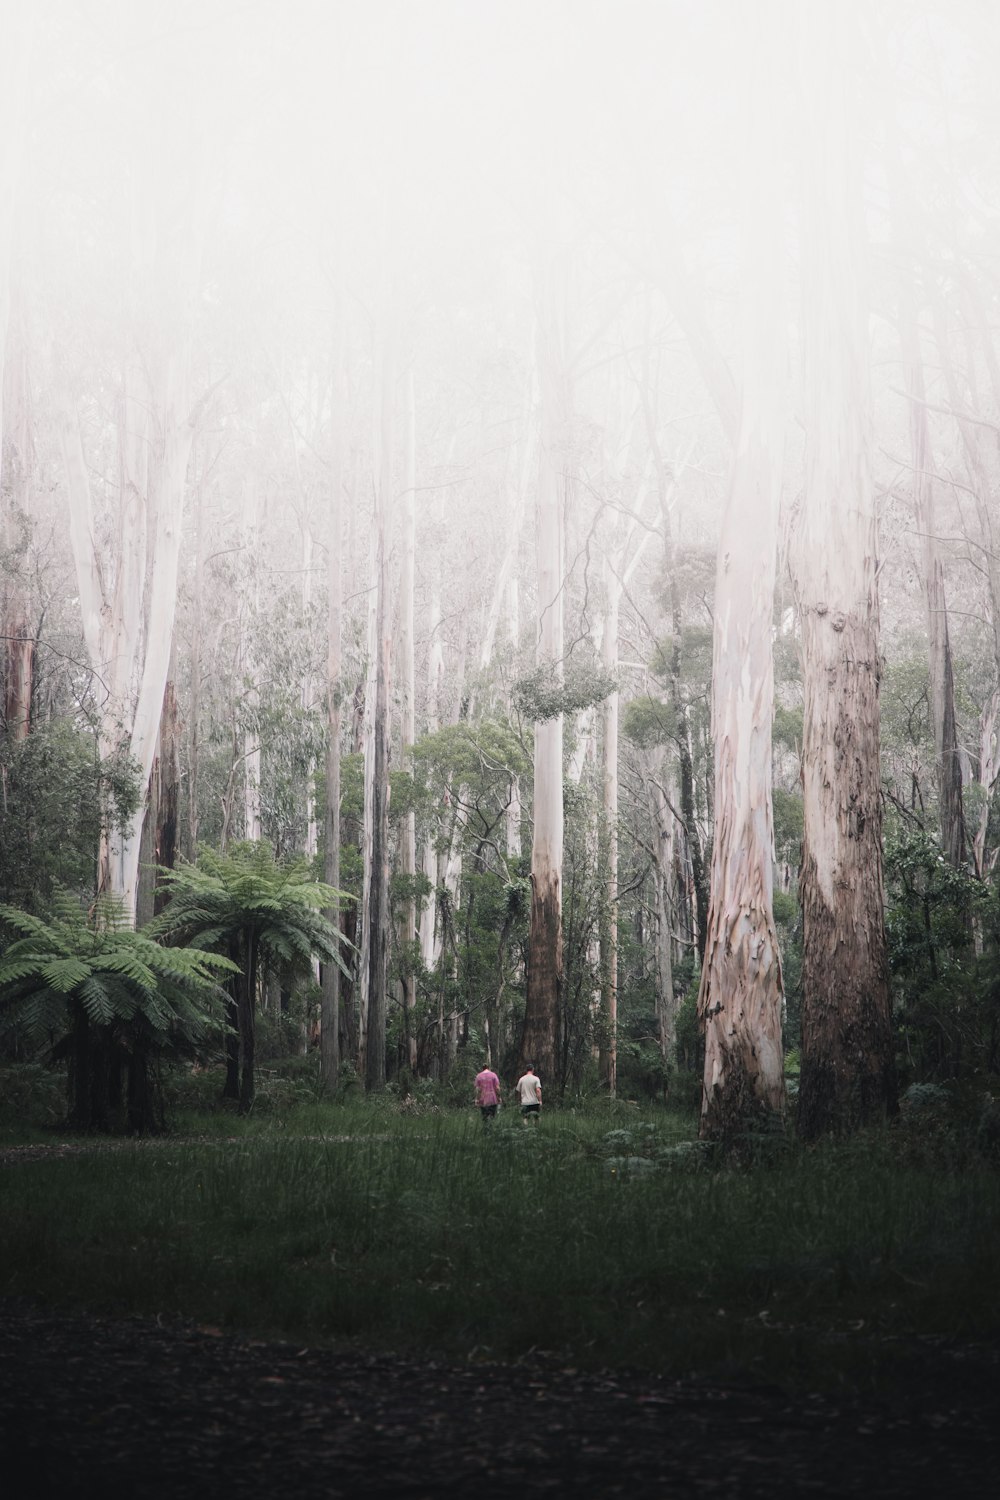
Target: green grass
[{"x": 428, "y": 1234}]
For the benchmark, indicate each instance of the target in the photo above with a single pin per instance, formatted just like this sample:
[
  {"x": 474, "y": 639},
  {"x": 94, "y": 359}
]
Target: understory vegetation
[{"x": 606, "y": 1236}]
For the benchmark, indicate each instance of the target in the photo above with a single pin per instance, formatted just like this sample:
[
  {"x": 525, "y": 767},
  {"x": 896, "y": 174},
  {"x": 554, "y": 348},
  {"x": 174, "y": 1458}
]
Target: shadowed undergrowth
[{"x": 599, "y": 1247}]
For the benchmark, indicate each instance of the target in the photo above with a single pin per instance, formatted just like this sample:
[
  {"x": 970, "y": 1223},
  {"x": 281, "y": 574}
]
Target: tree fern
[
  {"x": 105, "y": 991},
  {"x": 268, "y": 912}
]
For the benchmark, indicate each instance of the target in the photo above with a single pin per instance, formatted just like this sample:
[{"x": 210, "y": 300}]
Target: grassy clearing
[{"x": 604, "y": 1246}]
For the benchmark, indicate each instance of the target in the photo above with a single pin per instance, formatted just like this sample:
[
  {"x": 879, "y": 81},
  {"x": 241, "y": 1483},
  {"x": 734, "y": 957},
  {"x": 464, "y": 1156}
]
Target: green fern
[
  {"x": 266, "y": 912},
  {"x": 100, "y": 988}
]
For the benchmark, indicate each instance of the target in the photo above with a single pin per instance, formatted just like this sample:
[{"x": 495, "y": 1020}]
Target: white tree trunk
[
  {"x": 430, "y": 934},
  {"x": 740, "y": 1000},
  {"x": 408, "y": 862},
  {"x": 114, "y": 627},
  {"x": 375, "y": 948},
  {"x": 545, "y": 958},
  {"x": 609, "y": 810},
  {"x": 330, "y": 1003}
]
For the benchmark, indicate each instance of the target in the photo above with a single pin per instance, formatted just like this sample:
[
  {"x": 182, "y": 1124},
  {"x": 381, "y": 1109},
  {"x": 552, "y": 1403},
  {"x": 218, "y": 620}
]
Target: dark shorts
[
  {"x": 488, "y": 1111},
  {"x": 531, "y": 1109}
]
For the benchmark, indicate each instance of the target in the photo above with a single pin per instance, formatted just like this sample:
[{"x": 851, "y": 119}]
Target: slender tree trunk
[
  {"x": 167, "y": 842},
  {"x": 408, "y": 862},
  {"x": 609, "y": 822},
  {"x": 251, "y": 731},
  {"x": 330, "y": 1003},
  {"x": 847, "y": 1074},
  {"x": 248, "y": 1026},
  {"x": 663, "y": 860},
  {"x": 16, "y": 463},
  {"x": 377, "y": 953},
  {"x": 431, "y": 931},
  {"x": 989, "y": 775},
  {"x": 194, "y": 740},
  {"x": 113, "y": 626},
  {"x": 545, "y": 941},
  {"x": 942, "y": 696},
  {"x": 740, "y": 999}
]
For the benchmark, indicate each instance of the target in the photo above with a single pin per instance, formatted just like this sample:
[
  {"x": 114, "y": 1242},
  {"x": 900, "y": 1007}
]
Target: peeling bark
[
  {"x": 741, "y": 995},
  {"x": 847, "y": 1074}
]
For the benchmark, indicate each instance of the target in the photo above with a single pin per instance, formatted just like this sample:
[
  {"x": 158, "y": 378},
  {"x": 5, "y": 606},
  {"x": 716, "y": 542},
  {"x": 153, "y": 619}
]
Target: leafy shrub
[{"x": 32, "y": 1095}]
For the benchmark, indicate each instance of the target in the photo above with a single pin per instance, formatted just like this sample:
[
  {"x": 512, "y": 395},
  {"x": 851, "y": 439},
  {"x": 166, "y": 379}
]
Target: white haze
[{"x": 440, "y": 151}]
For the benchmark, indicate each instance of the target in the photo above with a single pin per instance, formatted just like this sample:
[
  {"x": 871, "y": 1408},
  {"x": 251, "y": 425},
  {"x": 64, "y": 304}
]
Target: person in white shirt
[{"x": 529, "y": 1091}]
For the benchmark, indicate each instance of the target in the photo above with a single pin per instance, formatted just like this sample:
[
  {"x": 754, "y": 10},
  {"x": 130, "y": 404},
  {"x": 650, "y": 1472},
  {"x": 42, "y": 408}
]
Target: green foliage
[
  {"x": 787, "y": 810},
  {"x": 689, "y": 1044},
  {"x": 693, "y": 648},
  {"x": 250, "y": 895},
  {"x": 32, "y": 1096},
  {"x": 107, "y": 998},
  {"x": 542, "y": 694},
  {"x": 649, "y": 722},
  {"x": 483, "y": 754},
  {"x": 264, "y": 913},
  {"x": 785, "y": 909},
  {"x": 787, "y": 727},
  {"x": 56, "y": 795},
  {"x": 945, "y": 992},
  {"x": 904, "y": 703},
  {"x": 405, "y": 795}
]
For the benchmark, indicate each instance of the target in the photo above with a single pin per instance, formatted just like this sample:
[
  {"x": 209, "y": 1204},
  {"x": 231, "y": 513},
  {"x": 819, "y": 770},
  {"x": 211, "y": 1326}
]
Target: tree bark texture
[
  {"x": 129, "y": 630},
  {"x": 609, "y": 822},
  {"x": 377, "y": 955},
  {"x": 663, "y": 863},
  {"x": 847, "y": 1074},
  {"x": 545, "y": 943},
  {"x": 408, "y": 925},
  {"x": 740, "y": 999},
  {"x": 330, "y": 1001}
]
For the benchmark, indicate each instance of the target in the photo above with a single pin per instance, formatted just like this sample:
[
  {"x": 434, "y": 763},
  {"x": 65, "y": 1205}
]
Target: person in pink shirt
[{"x": 487, "y": 1093}]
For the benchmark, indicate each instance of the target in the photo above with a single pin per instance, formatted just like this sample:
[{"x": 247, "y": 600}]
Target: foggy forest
[
  {"x": 500, "y": 572},
  {"x": 555, "y": 471}
]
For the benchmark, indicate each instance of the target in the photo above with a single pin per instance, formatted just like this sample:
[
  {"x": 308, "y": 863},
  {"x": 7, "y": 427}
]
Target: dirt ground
[{"x": 144, "y": 1411}]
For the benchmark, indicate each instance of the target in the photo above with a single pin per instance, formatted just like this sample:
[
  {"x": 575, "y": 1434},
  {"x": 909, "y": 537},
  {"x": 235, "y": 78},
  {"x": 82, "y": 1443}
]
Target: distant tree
[{"x": 112, "y": 998}]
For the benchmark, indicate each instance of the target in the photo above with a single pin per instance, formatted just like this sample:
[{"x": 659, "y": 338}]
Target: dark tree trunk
[
  {"x": 248, "y": 1007},
  {"x": 168, "y": 797},
  {"x": 347, "y": 1020},
  {"x": 19, "y": 678},
  {"x": 232, "y": 1085},
  {"x": 847, "y": 1075}
]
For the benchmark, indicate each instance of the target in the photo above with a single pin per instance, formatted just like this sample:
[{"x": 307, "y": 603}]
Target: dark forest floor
[{"x": 97, "y": 1407}]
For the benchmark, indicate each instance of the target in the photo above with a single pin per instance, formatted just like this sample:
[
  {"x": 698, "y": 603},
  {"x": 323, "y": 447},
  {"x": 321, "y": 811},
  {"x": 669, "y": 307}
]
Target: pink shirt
[{"x": 487, "y": 1087}]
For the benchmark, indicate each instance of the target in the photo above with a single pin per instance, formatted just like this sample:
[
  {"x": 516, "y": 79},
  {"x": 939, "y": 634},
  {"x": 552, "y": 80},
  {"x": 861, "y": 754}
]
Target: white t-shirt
[{"x": 529, "y": 1089}]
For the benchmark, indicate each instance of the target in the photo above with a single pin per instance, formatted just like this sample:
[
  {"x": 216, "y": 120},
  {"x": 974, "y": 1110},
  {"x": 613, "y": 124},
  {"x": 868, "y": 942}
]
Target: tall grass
[{"x": 598, "y": 1247}]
